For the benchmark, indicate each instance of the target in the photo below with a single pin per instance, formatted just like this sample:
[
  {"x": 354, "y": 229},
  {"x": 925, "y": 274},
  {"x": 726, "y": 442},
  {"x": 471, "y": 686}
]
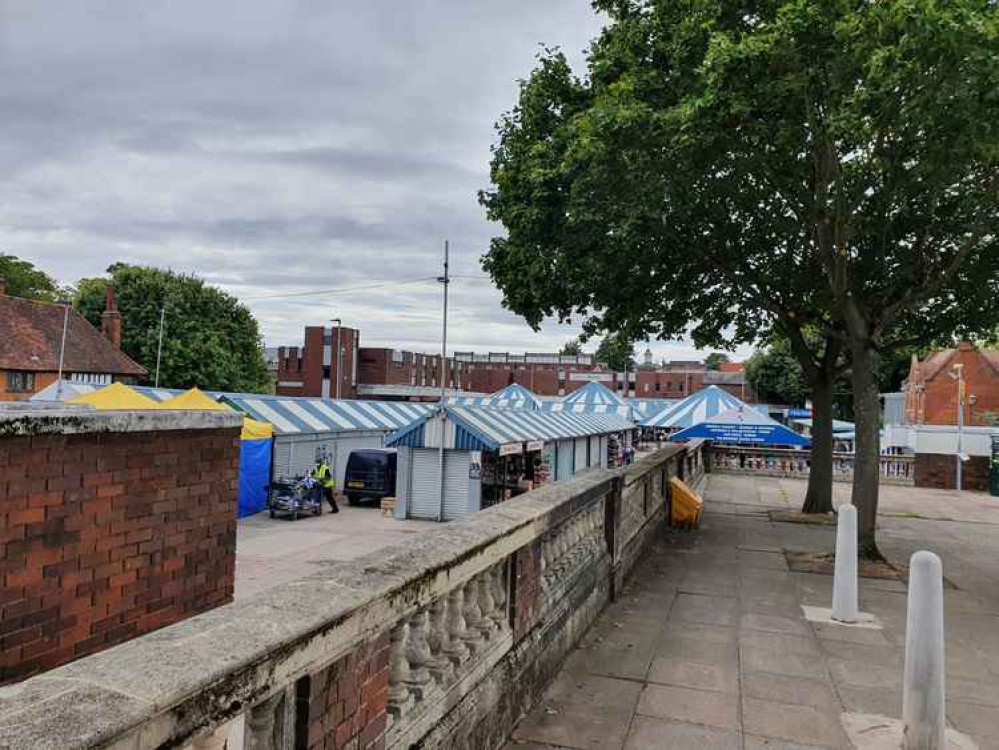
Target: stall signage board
[
  {"x": 742, "y": 433},
  {"x": 511, "y": 449},
  {"x": 535, "y": 445}
]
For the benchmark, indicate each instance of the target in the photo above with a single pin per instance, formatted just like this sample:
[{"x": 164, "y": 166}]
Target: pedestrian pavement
[
  {"x": 272, "y": 551},
  {"x": 707, "y": 647}
]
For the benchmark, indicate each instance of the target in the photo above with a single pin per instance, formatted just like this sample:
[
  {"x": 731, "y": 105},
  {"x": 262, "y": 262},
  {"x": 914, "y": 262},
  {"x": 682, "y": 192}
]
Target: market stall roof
[
  {"x": 646, "y": 408},
  {"x": 514, "y": 396},
  {"x": 484, "y": 428},
  {"x": 594, "y": 393},
  {"x": 698, "y": 407},
  {"x": 838, "y": 424},
  {"x": 197, "y": 400},
  {"x": 115, "y": 396},
  {"x": 311, "y": 415},
  {"x": 743, "y": 426}
]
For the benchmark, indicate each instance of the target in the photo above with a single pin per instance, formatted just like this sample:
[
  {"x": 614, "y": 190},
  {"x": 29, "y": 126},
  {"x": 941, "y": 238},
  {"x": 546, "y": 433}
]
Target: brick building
[
  {"x": 31, "y": 334},
  {"x": 315, "y": 369},
  {"x": 931, "y": 391},
  {"x": 678, "y": 380}
]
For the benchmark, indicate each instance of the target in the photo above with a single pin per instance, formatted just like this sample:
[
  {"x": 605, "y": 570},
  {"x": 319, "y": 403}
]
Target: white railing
[{"x": 780, "y": 462}]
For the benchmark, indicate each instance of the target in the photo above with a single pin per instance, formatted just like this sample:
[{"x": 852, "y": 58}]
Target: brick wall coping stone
[
  {"x": 26, "y": 420},
  {"x": 160, "y": 688}
]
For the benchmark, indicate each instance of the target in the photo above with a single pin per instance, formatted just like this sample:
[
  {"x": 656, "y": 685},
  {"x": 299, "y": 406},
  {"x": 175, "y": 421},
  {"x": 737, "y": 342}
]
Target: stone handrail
[
  {"x": 443, "y": 642},
  {"x": 784, "y": 462}
]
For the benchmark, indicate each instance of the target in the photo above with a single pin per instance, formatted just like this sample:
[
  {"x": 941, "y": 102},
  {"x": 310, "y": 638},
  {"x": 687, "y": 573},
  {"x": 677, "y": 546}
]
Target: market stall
[{"x": 492, "y": 454}]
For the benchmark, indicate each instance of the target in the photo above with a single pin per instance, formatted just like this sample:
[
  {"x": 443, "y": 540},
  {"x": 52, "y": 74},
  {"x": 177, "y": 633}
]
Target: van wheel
[
  {"x": 272, "y": 513},
  {"x": 352, "y": 500},
  {"x": 294, "y": 515}
]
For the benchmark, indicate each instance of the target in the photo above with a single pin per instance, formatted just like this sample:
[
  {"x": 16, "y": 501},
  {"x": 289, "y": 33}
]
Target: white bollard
[
  {"x": 844, "y": 604},
  {"x": 923, "y": 711}
]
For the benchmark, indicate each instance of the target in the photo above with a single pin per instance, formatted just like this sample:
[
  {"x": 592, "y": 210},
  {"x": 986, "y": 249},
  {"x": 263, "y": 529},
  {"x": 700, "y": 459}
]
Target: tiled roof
[{"x": 31, "y": 334}]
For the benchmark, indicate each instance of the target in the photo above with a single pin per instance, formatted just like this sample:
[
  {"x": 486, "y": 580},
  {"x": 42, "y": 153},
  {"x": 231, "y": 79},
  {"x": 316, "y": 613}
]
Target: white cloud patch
[{"x": 273, "y": 147}]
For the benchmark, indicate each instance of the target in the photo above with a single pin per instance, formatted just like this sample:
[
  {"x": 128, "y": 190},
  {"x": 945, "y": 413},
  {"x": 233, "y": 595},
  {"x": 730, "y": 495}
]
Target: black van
[{"x": 370, "y": 475}]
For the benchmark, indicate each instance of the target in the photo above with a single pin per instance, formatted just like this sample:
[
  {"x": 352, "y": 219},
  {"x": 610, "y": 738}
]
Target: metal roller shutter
[
  {"x": 456, "y": 485},
  {"x": 424, "y": 498},
  {"x": 564, "y": 455},
  {"x": 282, "y": 458},
  {"x": 603, "y": 451},
  {"x": 581, "y": 445},
  {"x": 594, "y": 451}
]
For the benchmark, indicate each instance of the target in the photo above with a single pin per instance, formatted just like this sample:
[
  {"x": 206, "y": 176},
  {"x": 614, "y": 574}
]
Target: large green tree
[
  {"x": 617, "y": 352},
  {"x": 23, "y": 279},
  {"x": 715, "y": 360},
  {"x": 740, "y": 170},
  {"x": 210, "y": 339}
]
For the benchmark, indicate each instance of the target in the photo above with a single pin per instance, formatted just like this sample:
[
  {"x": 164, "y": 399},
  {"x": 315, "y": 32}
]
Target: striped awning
[
  {"x": 696, "y": 408},
  {"x": 596, "y": 394},
  {"x": 566, "y": 407},
  {"x": 646, "y": 408},
  {"x": 484, "y": 428},
  {"x": 311, "y": 415}
]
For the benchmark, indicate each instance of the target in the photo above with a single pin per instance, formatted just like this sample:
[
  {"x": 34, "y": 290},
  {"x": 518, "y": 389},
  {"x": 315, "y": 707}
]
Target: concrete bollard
[
  {"x": 923, "y": 713},
  {"x": 845, "y": 607}
]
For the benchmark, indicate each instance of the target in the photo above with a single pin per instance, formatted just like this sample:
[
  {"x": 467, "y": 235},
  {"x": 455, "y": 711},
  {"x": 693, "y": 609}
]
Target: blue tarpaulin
[
  {"x": 743, "y": 427},
  {"x": 254, "y": 474}
]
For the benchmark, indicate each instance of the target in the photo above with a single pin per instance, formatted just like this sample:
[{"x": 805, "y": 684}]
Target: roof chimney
[
  {"x": 111, "y": 318},
  {"x": 3, "y": 286}
]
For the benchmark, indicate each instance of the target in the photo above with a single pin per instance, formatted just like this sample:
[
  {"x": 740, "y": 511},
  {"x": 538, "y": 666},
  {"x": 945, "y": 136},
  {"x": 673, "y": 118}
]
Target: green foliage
[
  {"x": 715, "y": 360},
  {"x": 210, "y": 340},
  {"x": 617, "y": 352},
  {"x": 573, "y": 347},
  {"x": 25, "y": 280},
  {"x": 776, "y": 375}
]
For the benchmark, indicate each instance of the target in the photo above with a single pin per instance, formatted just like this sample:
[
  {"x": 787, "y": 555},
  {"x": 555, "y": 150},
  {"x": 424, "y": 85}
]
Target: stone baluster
[
  {"x": 418, "y": 655},
  {"x": 473, "y": 618},
  {"x": 438, "y": 639},
  {"x": 260, "y": 721},
  {"x": 455, "y": 649},
  {"x": 399, "y": 699},
  {"x": 499, "y": 596},
  {"x": 486, "y": 604}
]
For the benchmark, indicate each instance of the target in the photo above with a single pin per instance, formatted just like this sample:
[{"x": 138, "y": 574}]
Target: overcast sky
[{"x": 274, "y": 147}]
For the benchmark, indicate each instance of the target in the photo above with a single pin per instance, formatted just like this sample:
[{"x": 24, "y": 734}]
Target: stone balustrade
[
  {"x": 783, "y": 462},
  {"x": 443, "y": 643}
]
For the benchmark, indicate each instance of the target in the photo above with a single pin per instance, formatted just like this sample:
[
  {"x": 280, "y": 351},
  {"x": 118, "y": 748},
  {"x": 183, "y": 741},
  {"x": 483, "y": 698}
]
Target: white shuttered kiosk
[{"x": 477, "y": 440}]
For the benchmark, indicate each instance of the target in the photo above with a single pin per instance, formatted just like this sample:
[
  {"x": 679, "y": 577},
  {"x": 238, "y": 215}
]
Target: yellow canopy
[
  {"x": 197, "y": 399},
  {"x": 115, "y": 396}
]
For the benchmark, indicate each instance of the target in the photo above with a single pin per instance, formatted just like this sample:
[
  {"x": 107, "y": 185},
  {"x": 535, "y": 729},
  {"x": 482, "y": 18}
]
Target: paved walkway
[
  {"x": 708, "y": 649},
  {"x": 272, "y": 551}
]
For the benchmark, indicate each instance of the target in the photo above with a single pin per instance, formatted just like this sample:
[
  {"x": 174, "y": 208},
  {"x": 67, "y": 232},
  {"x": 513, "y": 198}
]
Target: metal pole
[
  {"x": 62, "y": 349},
  {"x": 339, "y": 358},
  {"x": 960, "y": 422},
  {"x": 445, "y": 280},
  {"x": 159, "y": 347}
]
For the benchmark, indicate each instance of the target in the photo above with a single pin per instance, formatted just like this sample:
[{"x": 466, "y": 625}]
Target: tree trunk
[
  {"x": 866, "y": 469},
  {"x": 818, "y": 497}
]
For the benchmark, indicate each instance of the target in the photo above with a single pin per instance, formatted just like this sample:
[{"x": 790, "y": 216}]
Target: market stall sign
[
  {"x": 535, "y": 445},
  {"x": 511, "y": 449}
]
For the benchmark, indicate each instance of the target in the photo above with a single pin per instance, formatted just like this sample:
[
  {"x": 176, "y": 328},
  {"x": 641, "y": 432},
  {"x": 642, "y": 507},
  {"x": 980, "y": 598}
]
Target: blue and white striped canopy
[
  {"x": 565, "y": 407},
  {"x": 483, "y": 428},
  {"x": 646, "y": 408},
  {"x": 514, "y": 396},
  {"x": 697, "y": 407},
  {"x": 594, "y": 393},
  {"x": 310, "y": 415}
]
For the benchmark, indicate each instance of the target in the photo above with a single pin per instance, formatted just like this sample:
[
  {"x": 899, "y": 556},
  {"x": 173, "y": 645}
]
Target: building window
[
  {"x": 20, "y": 382},
  {"x": 657, "y": 386}
]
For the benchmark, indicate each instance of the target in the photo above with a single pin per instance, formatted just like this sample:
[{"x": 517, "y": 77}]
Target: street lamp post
[
  {"x": 958, "y": 375},
  {"x": 62, "y": 347},
  {"x": 159, "y": 346},
  {"x": 446, "y": 281},
  {"x": 339, "y": 358}
]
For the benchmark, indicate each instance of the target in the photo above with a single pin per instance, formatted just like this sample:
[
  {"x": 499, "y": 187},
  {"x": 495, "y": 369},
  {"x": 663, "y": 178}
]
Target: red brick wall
[
  {"x": 345, "y": 705},
  {"x": 940, "y": 471},
  {"x": 526, "y": 604},
  {"x": 104, "y": 537}
]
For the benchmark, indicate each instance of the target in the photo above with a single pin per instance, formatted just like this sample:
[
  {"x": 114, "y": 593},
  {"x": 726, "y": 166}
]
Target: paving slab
[
  {"x": 691, "y": 706},
  {"x": 708, "y": 647},
  {"x": 648, "y": 733}
]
